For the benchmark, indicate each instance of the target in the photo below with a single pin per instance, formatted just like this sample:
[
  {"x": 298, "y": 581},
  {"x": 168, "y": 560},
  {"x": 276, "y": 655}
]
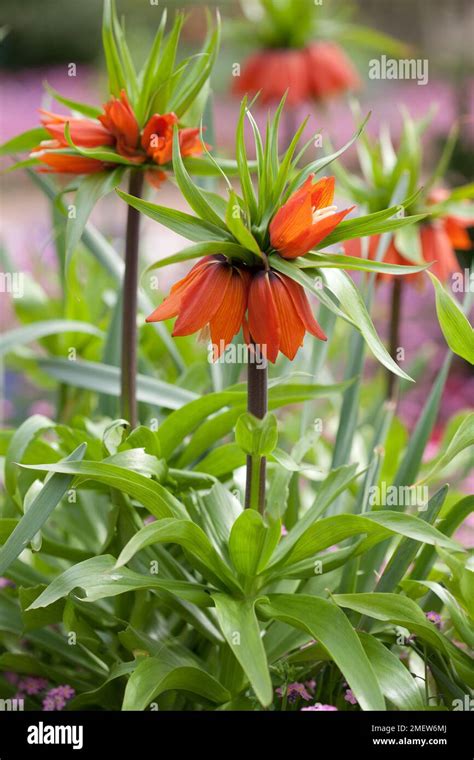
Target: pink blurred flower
[
  {"x": 318, "y": 707},
  {"x": 349, "y": 697},
  {"x": 57, "y": 698},
  {"x": 293, "y": 691}
]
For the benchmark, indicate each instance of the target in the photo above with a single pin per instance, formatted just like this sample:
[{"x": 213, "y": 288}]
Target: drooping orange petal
[
  {"x": 202, "y": 298},
  {"x": 437, "y": 248},
  {"x": 303, "y": 308},
  {"x": 171, "y": 305},
  {"x": 263, "y": 317},
  {"x": 291, "y": 326},
  {"x": 457, "y": 234},
  {"x": 190, "y": 143},
  {"x": 227, "y": 320},
  {"x": 63, "y": 163},
  {"x": 118, "y": 118},
  {"x": 84, "y": 132}
]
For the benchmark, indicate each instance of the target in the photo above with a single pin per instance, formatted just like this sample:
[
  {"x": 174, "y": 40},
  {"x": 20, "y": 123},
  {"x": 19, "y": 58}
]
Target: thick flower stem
[
  {"x": 394, "y": 336},
  {"x": 129, "y": 308},
  {"x": 256, "y": 405}
]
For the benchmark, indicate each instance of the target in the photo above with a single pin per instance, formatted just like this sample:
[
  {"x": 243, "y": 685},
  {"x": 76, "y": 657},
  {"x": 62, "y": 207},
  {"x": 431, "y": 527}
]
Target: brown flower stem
[
  {"x": 394, "y": 335},
  {"x": 129, "y": 308},
  {"x": 257, "y": 382}
]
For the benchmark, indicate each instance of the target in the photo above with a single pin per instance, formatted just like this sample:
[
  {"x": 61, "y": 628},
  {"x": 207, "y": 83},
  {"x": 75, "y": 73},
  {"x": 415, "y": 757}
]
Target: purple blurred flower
[
  {"x": 57, "y": 698},
  {"x": 311, "y": 685},
  {"x": 149, "y": 519},
  {"x": 293, "y": 691},
  {"x": 318, "y": 707},
  {"x": 284, "y": 531},
  {"x": 32, "y": 685},
  {"x": 349, "y": 697},
  {"x": 434, "y": 617},
  {"x": 4, "y": 582}
]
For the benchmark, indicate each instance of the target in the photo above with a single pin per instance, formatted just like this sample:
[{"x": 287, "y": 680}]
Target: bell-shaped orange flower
[
  {"x": 118, "y": 118},
  {"x": 279, "y": 315},
  {"x": 306, "y": 218},
  {"x": 272, "y": 73},
  {"x": 319, "y": 71},
  {"x": 213, "y": 294},
  {"x": 272, "y": 309},
  {"x": 84, "y": 132}
]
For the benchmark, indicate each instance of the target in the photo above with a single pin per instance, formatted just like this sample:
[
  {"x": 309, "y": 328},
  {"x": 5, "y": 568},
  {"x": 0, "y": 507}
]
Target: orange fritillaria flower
[
  {"x": 116, "y": 127},
  {"x": 157, "y": 138},
  {"x": 118, "y": 118},
  {"x": 318, "y": 71},
  {"x": 274, "y": 72},
  {"x": 272, "y": 309},
  {"x": 306, "y": 218},
  {"x": 439, "y": 239}
]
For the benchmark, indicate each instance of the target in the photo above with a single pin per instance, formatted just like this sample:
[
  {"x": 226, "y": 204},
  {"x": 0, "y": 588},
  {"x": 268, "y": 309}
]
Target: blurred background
[{"x": 40, "y": 38}]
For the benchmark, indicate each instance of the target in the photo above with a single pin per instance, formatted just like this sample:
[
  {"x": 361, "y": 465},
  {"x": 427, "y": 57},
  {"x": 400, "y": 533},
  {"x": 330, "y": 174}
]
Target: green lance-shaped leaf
[
  {"x": 241, "y": 630},
  {"x": 40, "y": 509},
  {"x": 353, "y": 305},
  {"x": 193, "y": 540},
  {"x": 24, "y": 142},
  {"x": 98, "y": 578},
  {"x": 324, "y": 622},
  {"x": 379, "y": 525},
  {"x": 238, "y": 227},
  {"x": 155, "y": 675},
  {"x": 190, "y": 227},
  {"x": 155, "y": 497},
  {"x": 400, "y": 610},
  {"x": 252, "y": 542},
  {"x": 395, "y": 681},
  {"x": 256, "y": 437},
  {"x": 190, "y": 191},
  {"x": 323, "y": 260},
  {"x": 112, "y": 58},
  {"x": 453, "y": 322}
]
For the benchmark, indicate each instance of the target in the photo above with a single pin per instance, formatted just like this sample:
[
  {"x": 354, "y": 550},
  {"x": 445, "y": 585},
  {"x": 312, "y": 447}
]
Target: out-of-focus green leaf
[{"x": 453, "y": 322}]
